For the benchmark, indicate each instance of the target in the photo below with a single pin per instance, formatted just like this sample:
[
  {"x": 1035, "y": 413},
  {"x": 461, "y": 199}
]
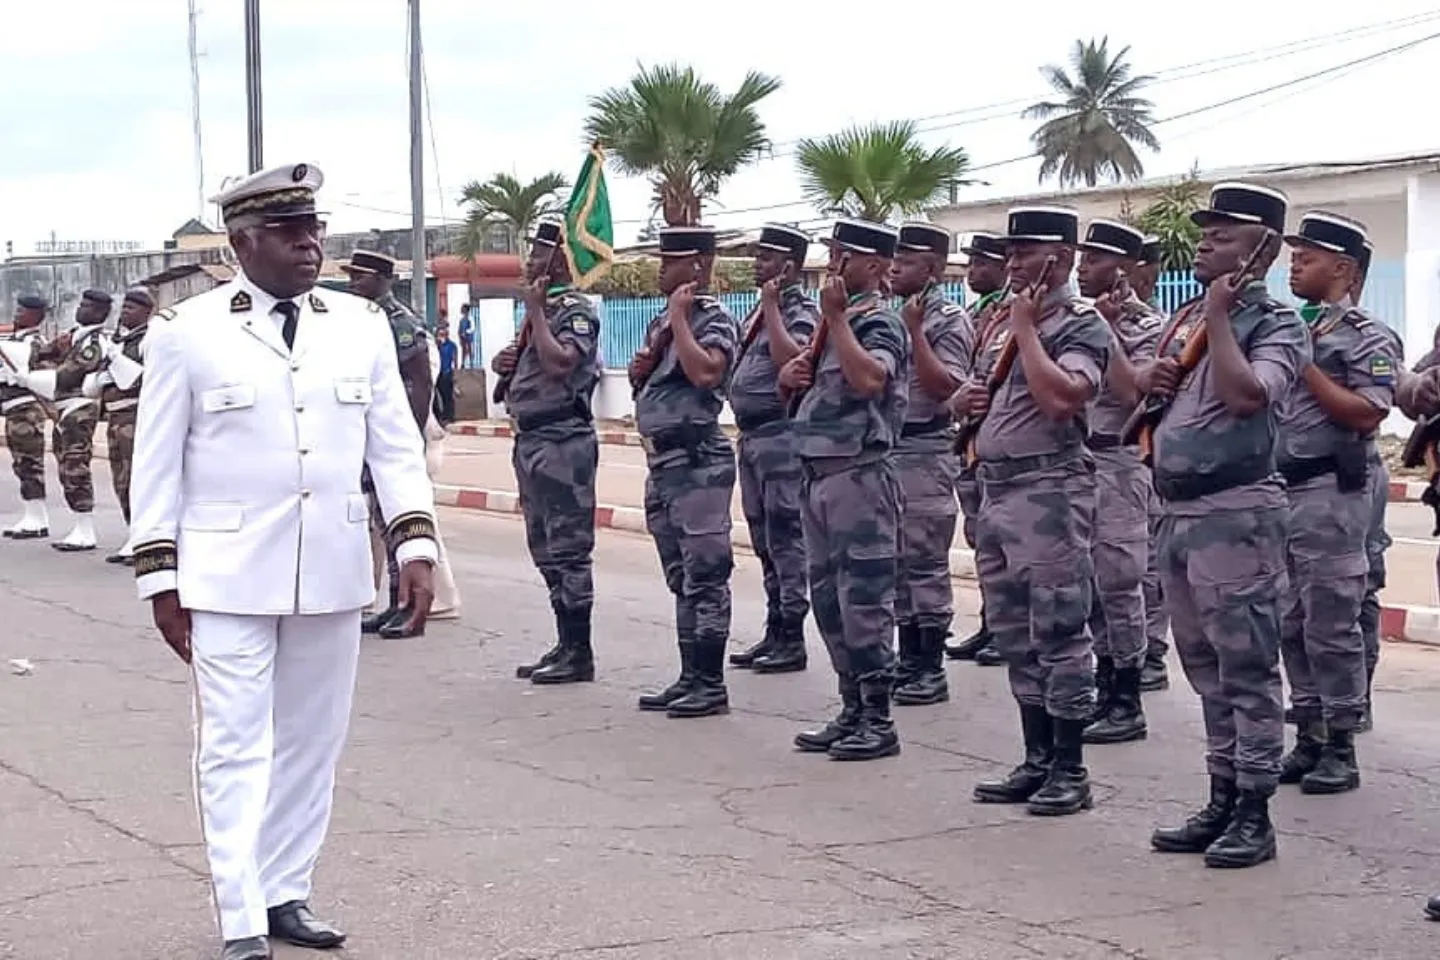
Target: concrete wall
[{"x": 62, "y": 280}]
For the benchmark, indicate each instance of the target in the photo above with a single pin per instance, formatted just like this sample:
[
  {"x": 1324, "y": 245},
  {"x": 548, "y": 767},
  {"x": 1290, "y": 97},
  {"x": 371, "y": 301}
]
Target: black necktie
[{"x": 291, "y": 312}]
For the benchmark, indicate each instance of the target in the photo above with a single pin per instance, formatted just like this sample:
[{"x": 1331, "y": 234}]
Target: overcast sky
[{"x": 97, "y": 141}]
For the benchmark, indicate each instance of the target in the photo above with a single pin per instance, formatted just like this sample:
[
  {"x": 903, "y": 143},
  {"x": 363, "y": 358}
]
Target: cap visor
[
  {"x": 1104, "y": 248},
  {"x": 1204, "y": 218}
]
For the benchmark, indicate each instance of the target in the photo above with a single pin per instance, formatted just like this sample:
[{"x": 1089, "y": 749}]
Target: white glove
[
  {"x": 8, "y": 377},
  {"x": 110, "y": 348}
]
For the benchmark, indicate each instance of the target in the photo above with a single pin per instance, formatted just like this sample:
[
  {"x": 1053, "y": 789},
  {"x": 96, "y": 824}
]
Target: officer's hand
[
  {"x": 797, "y": 375},
  {"x": 1108, "y": 305},
  {"x": 417, "y": 593},
  {"x": 913, "y": 313},
  {"x": 678, "y": 307},
  {"x": 173, "y": 621},
  {"x": 535, "y": 296},
  {"x": 641, "y": 364},
  {"x": 1161, "y": 377},
  {"x": 505, "y": 360},
  {"x": 770, "y": 293},
  {"x": 834, "y": 298},
  {"x": 1222, "y": 294},
  {"x": 977, "y": 399},
  {"x": 1025, "y": 308}
]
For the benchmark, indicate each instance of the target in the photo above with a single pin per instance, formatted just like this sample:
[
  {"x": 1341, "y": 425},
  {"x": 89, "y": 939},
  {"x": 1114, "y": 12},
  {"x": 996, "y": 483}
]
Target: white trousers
[{"x": 272, "y": 711}]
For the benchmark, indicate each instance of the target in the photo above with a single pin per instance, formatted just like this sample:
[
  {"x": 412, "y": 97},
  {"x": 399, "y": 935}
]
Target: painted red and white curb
[{"x": 1407, "y": 491}]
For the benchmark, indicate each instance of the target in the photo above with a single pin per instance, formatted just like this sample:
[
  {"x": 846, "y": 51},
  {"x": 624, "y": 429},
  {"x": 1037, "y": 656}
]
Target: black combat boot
[
  {"x": 1104, "y": 686},
  {"x": 576, "y": 662},
  {"x": 746, "y": 658},
  {"x": 874, "y": 736},
  {"x": 989, "y": 655},
  {"x": 788, "y": 654},
  {"x": 1154, "y": 675},
  {"x": 1203, "y": 827},
  {"x": 971, "y": 645},
  {"x": 1250, "y": 837},
  {"x": 1124, "y": 721},
  {"x": 1309, "y": 744},
  {"x": 844, "y": 724},
  {"x": 928, "y": 685},
  {"x": 707, "y": 696},
  {"x": 1367, "y": 718},
  {"x": 1067, "y": 789},
  {"x": 661, "y": 700},
  {"x": 379, "y": 618},
  {"x": 907, "y": 660},
  {"x": 1024, "y": 780},
  {"x": 1337, "y": 770},
  {"x": 1432, "y": 908}
]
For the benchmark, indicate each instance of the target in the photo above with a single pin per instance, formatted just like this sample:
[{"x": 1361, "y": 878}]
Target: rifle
[
  {"x": 660, "y": 341},
  {"x": 815, "y": 349},
  {"x": 970, "y": 432},
  {"x": 522, "y": 342},
  {"x": 1140, "y": 426}
]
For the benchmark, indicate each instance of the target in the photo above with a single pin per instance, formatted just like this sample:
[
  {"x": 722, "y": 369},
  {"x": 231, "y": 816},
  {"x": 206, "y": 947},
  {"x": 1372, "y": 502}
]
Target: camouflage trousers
[
  {"x": 25, "y": 436},
  {"x": 1157, "y": 617},
  {"x": 923, "y": 594},
  {"x": 120, "y": 444},
  {"x": 555, "y": 476},
  {"x": 1121, "y": 552},
  {"x": 770, "y": 496},
  {"x": 687, "y": 511},
  {"x": 1223, "y": 575},
  {"x": 73, "y": 440},
  {"x": 851, "y": 515},
  {"x": 1320, "y": 638},
  {"x": 1033, "y": 558},
  {"x": 1377, "y": 541}
]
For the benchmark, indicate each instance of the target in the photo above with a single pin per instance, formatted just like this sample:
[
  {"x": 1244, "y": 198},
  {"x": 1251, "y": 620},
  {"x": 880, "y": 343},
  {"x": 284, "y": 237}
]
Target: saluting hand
[
  {"x": 1025, "y": 309},
  {"x": 834, "y": 296},
  {"x": 173, "y": 621},
  {"x": 770, "y": 293},
  {"x": 535, "y": 296},
  {"x": 677, "y": 308},
  {"x": 913, "y": 313}
]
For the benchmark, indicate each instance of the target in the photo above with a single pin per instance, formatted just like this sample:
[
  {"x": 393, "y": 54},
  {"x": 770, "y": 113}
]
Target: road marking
[{"x": 1416, "y": 541}]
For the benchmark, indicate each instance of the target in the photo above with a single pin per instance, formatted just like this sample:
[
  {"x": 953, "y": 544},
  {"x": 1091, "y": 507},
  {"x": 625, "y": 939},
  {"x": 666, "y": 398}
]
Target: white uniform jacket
[{"x": 246, "y": 478}]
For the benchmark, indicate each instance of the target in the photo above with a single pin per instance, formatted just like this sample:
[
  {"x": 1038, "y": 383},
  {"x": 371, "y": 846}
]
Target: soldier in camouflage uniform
[
  {"x": 73, "y": 386},
  {"x": 119, "y": 386},
  {"x": 25, "y": 417},
  {"x": 846, "y": 424},
  {"x": 988, "y": 279},
  {"x": 769, "y": 471},
  {"x": 680, "y": 378},
  {"x": 1327, "y": 423},
  {"x": 1143, "y": 277},
  {"x": 1223, "y": 533},
  {"x": 372, "y": 276},
  {"x": 942, "y": 341},
  {"x": 1122, "y": 510},
  {"x": 549, "y": 382},
  {"x": 1037, "y": 509}
]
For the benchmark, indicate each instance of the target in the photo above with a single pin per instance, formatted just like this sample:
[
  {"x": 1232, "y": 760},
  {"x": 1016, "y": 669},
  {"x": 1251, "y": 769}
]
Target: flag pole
[
  {"x": 418, "y": 259},
  {"x": 252, "y": 85}
]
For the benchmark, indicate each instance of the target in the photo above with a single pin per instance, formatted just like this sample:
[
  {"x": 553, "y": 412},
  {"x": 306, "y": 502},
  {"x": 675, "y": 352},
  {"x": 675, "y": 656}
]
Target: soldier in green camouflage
[
  {"x": 120, "y": 400},
  {"x": 25, "y": 417}
]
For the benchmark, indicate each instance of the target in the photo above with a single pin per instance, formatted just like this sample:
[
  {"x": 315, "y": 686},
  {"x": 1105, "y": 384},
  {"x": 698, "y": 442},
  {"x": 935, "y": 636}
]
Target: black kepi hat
[
  {"x": 924, "y": 237},
  {"x": 548, "y": 232},
  {"x": 990, "y": 246},
  {"x": 790, "y": 240},
  {"x": 1151, "y": 252},
  {"x": 1244, "y": 203},
  {"x": 686, "y": 241},
  {"x": 1366, "y": 252},
  {"x": 863, "y": 236},
  {"x": 1043, "y": 224},
  {"x": 1111, "y": 236},
  {"x": 98, "y": 297},
  {"x": 368, "y": 261},
  {"x": 30, "y": 301},
  {"x": 1327, "y": 231},
  {"x": 139, "y": 295}
]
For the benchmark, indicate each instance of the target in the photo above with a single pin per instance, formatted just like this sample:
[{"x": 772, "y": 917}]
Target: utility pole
[
  {"x": 418, "y": 259},
  {"x": 195, "y": 117},
  {"x": 252, "y": 84}
]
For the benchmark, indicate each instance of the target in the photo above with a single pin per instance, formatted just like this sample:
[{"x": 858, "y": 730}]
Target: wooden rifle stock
[
  {"x": 815, "y": 349},
  {"x": 970, "y": 432},
  {"x": 1141, "y": 424}
]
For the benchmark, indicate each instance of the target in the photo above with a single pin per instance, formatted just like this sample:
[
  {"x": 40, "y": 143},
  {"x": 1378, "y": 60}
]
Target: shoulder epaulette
[
  {"x": 166, "y": 314},
  {"x": 1357, "y": 318},
  {"x": 950, "y": 308},
  {"x": 373, "y": 307}
]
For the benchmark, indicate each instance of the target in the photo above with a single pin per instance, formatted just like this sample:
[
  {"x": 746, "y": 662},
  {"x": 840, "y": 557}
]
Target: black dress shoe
[
  {"x": 120, "y": 559},
  {"x": 294, "y": 923},
  {"x": 1432, "y": 908},
  {"x": 398, "y": 628},
  {"x": 375, "y": 621},
  {"x": 64, "y": 547},
  {"x": 40, "y": 534},
  {"x": 251, "y": 948}
]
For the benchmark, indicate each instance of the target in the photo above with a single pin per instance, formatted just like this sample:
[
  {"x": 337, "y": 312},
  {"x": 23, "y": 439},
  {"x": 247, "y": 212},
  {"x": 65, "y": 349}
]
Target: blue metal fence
[{"x": 623, "y": 320}]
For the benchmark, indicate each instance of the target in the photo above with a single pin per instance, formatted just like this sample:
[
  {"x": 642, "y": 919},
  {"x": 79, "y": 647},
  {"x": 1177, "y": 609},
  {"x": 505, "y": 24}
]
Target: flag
[{"x": 589, "y": 232}]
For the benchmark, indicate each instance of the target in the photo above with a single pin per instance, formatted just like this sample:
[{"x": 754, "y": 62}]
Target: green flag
[{"x": 589, "y": 232}]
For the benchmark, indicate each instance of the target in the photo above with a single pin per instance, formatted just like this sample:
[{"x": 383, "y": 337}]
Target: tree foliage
[
  {"x": 504, "y": 199},
  {"x": 877, "y": 171}
]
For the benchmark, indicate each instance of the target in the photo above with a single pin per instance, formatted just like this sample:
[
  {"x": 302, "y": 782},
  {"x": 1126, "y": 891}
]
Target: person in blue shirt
[
  {"x": 445, "y": 382},
  {"x": 467, "y": 337}
]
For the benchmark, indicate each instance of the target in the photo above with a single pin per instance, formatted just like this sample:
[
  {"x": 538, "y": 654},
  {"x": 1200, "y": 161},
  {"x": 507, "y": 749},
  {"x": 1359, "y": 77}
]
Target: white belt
[
  {"x": 125, "y": 404},
  {"x": 67, "y": 407},
  {"x": 16, "y": 404}
]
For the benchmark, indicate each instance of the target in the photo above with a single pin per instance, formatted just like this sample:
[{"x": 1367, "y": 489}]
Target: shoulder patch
[
  {"x": 91, "y": 351},
  {"x": 241, "y": 303},
  {"x": 581, "y": 325},
  {"x": 1382, "y": 371},
  {"x": 318, "y": 305},
  {"x": 405, "y": 338}
]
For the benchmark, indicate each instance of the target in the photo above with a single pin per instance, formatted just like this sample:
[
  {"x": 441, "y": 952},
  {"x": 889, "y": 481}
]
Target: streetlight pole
[
  {"x": 252, "y": 85},
  {"x": 418, "y": 259}
]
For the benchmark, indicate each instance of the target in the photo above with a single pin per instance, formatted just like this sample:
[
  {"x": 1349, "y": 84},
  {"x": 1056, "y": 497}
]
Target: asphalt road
[{"x": 479, "y": 818}]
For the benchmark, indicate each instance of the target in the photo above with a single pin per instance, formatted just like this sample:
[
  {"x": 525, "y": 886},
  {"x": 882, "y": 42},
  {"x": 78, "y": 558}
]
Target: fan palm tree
[
  {"x": 1092, "y": 130},
  {"x": 876, "y": 171},
  {"x": 504, "y": 199},
  {"x": 681, "y": 133}
]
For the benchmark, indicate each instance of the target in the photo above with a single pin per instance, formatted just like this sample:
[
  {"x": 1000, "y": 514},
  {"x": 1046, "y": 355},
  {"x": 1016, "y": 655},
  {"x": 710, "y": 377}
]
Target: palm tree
[
  {"x": 875, "y": 171},
  {"x": 681, "y": 133},
  {"x": 1092, "y": 131},
  {"x": 504, "y": 199}
]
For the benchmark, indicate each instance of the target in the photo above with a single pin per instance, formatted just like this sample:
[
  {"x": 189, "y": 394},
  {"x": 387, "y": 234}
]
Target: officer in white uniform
[{"x": 262, "y": 400}]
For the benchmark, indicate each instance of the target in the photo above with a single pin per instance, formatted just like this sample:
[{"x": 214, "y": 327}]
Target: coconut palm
[
  {"x": 504, "y": 199},
  {"x": 1092, "y": 130},
  {"x": 876, "y": 171},
  {"x": 681, "y": 133}
]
